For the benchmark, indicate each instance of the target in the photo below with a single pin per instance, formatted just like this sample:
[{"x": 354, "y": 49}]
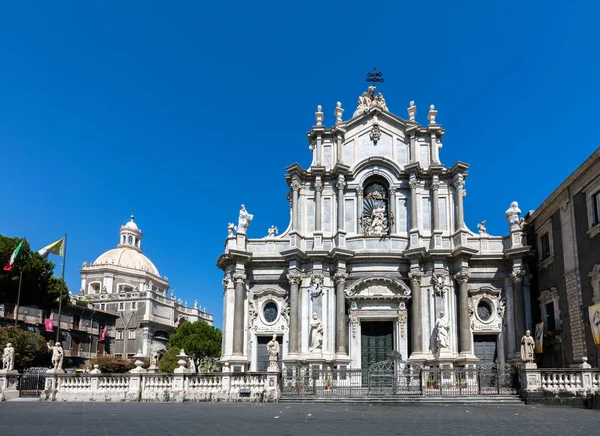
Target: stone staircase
[{"x": 500, "y": 400}]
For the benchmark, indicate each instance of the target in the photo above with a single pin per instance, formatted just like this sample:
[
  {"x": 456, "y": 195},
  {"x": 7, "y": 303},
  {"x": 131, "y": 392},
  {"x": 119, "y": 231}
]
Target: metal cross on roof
[{"x": 375, "y": 76}]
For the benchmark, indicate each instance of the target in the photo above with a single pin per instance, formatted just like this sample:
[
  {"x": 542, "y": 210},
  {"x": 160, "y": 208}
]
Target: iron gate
[
  {"x": 398, "y": 377},
  {"x": 31, "y": 385}
]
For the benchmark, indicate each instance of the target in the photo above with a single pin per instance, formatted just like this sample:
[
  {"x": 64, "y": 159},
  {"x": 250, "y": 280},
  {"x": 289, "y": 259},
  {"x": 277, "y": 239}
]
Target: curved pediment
[{"x": 378, "y": 288}]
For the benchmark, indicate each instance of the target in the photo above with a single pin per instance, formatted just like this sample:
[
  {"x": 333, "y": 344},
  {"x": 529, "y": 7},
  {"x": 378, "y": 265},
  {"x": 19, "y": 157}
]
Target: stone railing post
[
  {"x": 8, "y": 385},
  {"x": 531, "y": 379},
  {"x": 586, "y": 376}
]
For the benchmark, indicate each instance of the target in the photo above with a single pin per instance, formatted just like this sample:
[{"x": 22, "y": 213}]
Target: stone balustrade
[{"x": 157, "y": 387}]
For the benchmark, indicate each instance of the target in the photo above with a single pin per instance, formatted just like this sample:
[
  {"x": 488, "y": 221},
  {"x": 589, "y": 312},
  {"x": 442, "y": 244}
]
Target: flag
[
  {"x": 594, "y": 312},
  {"x": 54, "y": 248},
  {"x": 102, "y": 334},
  {"x": 539, "y": 337},
  {"x": 49, "y": 324},
  {"x": 14, "y": 257}
]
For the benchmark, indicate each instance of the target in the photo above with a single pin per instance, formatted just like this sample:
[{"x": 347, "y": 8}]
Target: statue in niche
[
  {"x": 244, "y": 220},
  {"x": 8, "y": 357},
  {"x": 527, "y": 348},
  {"x": 512, "y": 216},
  {"x": 442, "y": 331},
  {"x": 375, "y": 213},
  {"x": 316, "y": 333},
  {"x": 57, "y": 356},
  {"x": 273, "y": 349}
]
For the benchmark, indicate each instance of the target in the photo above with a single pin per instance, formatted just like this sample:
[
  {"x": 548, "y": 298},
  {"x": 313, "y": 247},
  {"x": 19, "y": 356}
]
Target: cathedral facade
[
  {"x": 377, "y": 258},
  {"x": 124, "y": 281}
]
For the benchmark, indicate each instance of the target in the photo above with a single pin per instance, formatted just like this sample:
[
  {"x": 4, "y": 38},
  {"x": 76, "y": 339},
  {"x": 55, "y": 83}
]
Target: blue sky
[{"x": 181, "y": 111}]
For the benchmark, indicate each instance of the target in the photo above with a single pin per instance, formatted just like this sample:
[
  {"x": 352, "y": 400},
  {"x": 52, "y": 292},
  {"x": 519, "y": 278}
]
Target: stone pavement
[{"x": 166, "y": 419}]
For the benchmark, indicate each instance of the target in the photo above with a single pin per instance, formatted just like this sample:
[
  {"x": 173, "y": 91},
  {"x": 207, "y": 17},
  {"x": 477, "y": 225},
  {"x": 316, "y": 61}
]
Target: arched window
[
  {"x": 375, "y": 216},
  {"x": 123, "y": 239},
  {"x": 130, "y": 240}
]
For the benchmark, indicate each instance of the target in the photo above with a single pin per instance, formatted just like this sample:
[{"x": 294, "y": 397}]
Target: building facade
[
  {"x": 565, "y": 234},
  {"x": 377, "y": 257},
  {"x": 83, "y": 327},
  {"x": 124, "y": 281}
]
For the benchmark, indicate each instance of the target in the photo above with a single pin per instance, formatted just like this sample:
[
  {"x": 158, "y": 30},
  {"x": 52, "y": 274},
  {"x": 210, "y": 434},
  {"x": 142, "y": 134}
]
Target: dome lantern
[{"x": 130, "y": 236}]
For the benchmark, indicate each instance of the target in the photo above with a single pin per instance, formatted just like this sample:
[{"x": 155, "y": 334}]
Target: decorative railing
[{"x": 561, "y": 380}]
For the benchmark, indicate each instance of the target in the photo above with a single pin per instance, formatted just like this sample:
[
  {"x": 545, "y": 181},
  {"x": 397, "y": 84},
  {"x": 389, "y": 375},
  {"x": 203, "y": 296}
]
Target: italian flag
[{"x": 14, "y": 257}]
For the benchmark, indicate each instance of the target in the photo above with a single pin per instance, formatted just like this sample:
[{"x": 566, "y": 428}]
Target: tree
[
  {"x": 112, "y": 365},
  {"x": 30, "y": 348},
  {"x": 168, "y": 362},
  {"x": 39, "y": 286},
  {"x": 197, "y": 338}
]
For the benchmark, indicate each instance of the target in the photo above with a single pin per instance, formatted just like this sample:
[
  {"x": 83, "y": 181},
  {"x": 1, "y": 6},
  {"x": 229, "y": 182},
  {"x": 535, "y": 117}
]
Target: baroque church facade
[
  {"x": 124, "y": 281},
  {"x": 377, "y": 258}
]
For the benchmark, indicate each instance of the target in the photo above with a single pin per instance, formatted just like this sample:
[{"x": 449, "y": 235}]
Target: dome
[{"x": 128, "y": 258}]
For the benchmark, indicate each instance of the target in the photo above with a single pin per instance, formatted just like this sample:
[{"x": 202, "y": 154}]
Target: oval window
[
  {"x": 484, "y": 310},
  {"x": 270, "y": 311}
]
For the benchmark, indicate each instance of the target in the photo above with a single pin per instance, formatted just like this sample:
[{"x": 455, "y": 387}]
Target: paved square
[{"x": 52, "y": 419}]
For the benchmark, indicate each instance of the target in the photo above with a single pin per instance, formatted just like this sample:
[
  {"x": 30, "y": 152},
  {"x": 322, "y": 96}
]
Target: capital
[
  {"x": 239, "y": 279},
  {"x": 413, "y": 182},
  {"x": 296, "y": 185},
  {"x": 415, "y": 278},
  {"x": 360, "y": 190},
  {"x": 435, "y": 186},
  {"x": 462, "y": 277},
  {"x": 341, "y": 182},
  {"x": 517, "y": 276},
  {"x": 318, "y": 185},
  {"x": 294, "y": 278},
  {"x": 340, "y": 277},
  {"x": 459, "y": 182},
  {"x": 392, "y": 191}
]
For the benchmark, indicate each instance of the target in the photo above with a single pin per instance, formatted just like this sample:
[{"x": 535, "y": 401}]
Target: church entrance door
[
  {"x": 485, "y": 348},
  {"x": 262, "y": 358},
  {"x": 377, "y": 341}
]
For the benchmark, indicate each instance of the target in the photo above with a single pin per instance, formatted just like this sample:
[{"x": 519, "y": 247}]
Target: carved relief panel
[{"x": 268, "y": 311}]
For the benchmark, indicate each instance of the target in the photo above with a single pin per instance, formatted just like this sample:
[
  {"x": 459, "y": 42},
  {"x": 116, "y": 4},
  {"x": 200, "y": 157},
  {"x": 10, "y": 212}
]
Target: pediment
[{"x": 378, "y": 288}]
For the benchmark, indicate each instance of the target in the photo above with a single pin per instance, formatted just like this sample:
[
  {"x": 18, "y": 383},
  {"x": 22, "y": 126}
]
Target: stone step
[{"x": 408, "y": 399}]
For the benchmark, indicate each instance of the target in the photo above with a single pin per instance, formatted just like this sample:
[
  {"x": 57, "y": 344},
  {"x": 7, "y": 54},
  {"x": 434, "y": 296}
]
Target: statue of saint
[
  {"x": 316, "y": 333},
  {"x": 8, "y": 357},
  {"x": 273, "y": 348},
  {"x": 512, "y": 215},
  {"x": 481, "y": 227},
  {"x": 154, "y": 358},
  {"x": 57, "y": 356},
  {"x": 442, "y": 330},
  {"x": 192, "y": 365},
  {"x": 527, "y": 347},
  {"x": 244, "y": 220},
  {"x": 272, "y": 231}
]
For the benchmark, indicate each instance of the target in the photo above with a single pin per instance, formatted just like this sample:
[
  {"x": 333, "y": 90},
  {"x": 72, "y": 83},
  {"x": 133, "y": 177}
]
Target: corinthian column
[
  {"x": 435, "y": 186},
  {"x": 517, "y": 278},
  {"x": 340, "y": 187},
  {"x": 340, "y": 312},
  {"x": 359, "y": 210},
  {"x": 318, "y": 190},
  {"x": 392, "y": 211},
  {"x": 295, "y": 314},
  {"x": 296, "y": 189},
  {"x": 239, "y": 315},
  {"x": 417, "y": 313},
  {"x": 459, "y": 184},
  {"x": 463, "y": 309}
]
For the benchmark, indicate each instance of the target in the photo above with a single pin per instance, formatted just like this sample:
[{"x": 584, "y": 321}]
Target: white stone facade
[
  {"x": 376, "y": 235},
  {"x": 125, "y": 281}
]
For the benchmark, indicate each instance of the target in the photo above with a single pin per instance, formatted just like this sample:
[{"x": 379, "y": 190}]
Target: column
[
  {"x": 414, "y": 184},
  {"x": 435, "y": 185},
  {"x": 417, "y": 313},
  {"x": 359, "y": 209},
  {"x": 392, "y": 211},
  {"x": 463, "y": 310},
  {"x": 239, "y": 315},
  {"x": 459, "y": 184},
  {"x": 318, "y": 190},
  {"x": 295, "y": 313},
  {"x": 296, "y": 189},
  {"x": 340, "y": 215},
  {"x": 519, "y": 314},
  {"x": 340, "y": 312}
]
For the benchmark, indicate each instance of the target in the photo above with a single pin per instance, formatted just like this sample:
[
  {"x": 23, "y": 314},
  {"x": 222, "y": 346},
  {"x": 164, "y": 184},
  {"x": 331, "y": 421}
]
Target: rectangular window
[
  {"x": 550, "y": 321},
  {"x": 545, "y": 246},
  {"x": 119, "y": 335},
  {"x": 133, "y": 305},
  {"x": 596, "y": 209},
  {"x": 131, "y": 334},
  {"x": 118, "y": 355},
  {"x": 130, "y": 355},
  {"x": 121, "y": 306},
  {"x": 102, "y": 306}
]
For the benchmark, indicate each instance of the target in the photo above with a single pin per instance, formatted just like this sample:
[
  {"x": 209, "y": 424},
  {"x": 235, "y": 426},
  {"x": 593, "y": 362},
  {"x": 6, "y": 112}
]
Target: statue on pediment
[
  {"x": 369, "y": 99},
  {"x": 244, "y": 220}
]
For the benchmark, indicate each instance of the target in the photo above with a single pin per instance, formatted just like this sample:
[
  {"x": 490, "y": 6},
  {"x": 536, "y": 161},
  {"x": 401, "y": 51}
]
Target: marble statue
[
  {"x": 154, "y": 359},
  {"x": 512, "y": 215},
  {"x": 195, "y": 304},
  {"x": 442, "y": 331},
  {"x": 316, "y": 333},
  {"x": 8, "y": 357},
  {"x": 377, "y": 224},
  {"x": 273, "y": 348},
  {"x": 57, "y": 356},
  {"x": 481, "y": 227},
  {"x": 368, "y": 99},
  {"x": 230, "y": 229},
  {"x": 527, "y": 348},
  {"x": 272, "y": 232},
  {"x": 316, "y": 287},
  {"x": 192, "y": 365},
  {"x": 244, "y": 220}
]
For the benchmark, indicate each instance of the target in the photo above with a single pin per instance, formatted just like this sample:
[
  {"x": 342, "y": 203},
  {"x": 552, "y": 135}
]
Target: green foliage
[
  {"x": 39, "y": 286},
  {"x": 168, "y": 362},
  {"x": 112, "y": 365},
  {"x": 198, "y": 339},
  {"x": 83, "y": 303},
  {"x": 30, "y": 348}
]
